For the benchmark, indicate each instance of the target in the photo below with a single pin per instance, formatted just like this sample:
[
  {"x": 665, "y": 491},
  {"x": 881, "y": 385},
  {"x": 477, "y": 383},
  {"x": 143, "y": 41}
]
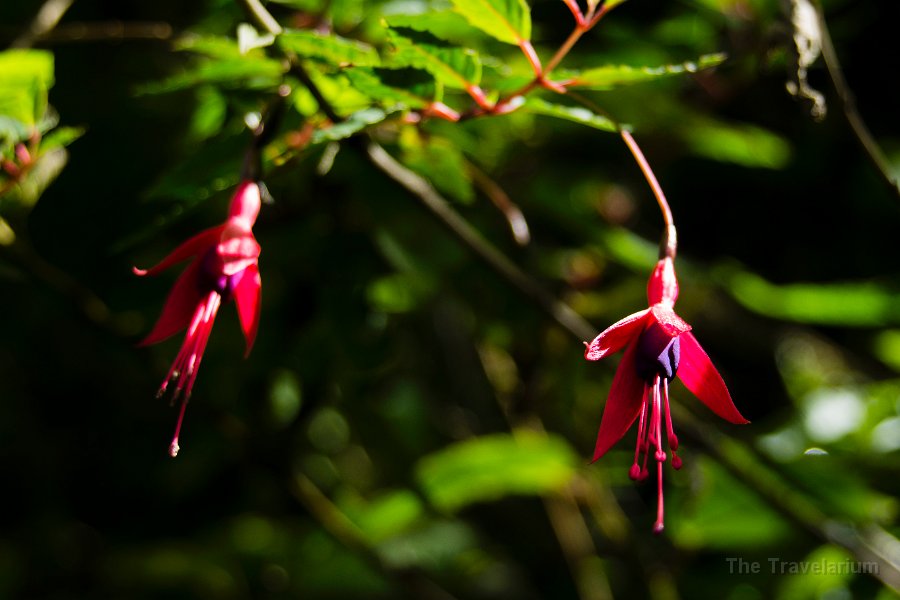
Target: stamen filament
[
  {"x": 635, "y": 471},
  {"x": 658, "y": 526}
]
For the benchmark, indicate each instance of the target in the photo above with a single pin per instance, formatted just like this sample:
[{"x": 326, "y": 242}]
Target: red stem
[{"x": 670, "y": 239}]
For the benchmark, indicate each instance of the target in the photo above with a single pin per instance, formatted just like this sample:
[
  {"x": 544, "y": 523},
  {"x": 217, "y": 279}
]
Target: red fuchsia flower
[
  {"x": 658, "y": 346},
  {"x": 224, "y": 266}
]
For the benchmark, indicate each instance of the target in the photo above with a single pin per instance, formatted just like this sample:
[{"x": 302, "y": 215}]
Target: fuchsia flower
[
  {"x": 658, "y": 346},
  {"x": 224, "y": 266}
]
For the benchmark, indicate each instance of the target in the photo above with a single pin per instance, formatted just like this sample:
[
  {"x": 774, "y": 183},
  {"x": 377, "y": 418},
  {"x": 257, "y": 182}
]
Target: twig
[
  {"x": 261, "y": 16},
  {"x": 348, "y": 534},
  {"x": 567, "y": 318},
  {"x": 875, "y": 543},
  {"x": 106, "y": 31},
  {"x": 517, "y": 223},
  {"x": 848, "y": 104},
  {"x": 45, "y": 20}
]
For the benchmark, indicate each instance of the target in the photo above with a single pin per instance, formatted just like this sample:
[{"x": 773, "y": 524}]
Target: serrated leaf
[
  {"x": 352, "y": 124},
  {"x": 445, "y": 24},
  {"x": 506, "y": 20},
  {"x": 453, "y": 66},
  {"x": 576, "y": 114},
  {"x": 409, "y": 88},
  {"x": 612, "y": 76},
  {"x": 25, "y": 78},
  {"x": 333, "y": 49},
  {"x": 491, "y": 467}
]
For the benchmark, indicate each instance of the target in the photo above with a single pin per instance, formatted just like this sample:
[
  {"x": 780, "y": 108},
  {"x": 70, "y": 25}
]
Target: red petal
[
  {"x": 179, "y": 307},
  {"x": 192, "y": 247},
  {"x": 616, "y": 336},
  {"x": 663, "y": 285},
  {"x": 671, "y": 323},
  {"x": 245, "y": 203},
  {"x": 699, "y": 375},
  {"x": 623, "y": 404},
  {"x": 247, "y": 296}
]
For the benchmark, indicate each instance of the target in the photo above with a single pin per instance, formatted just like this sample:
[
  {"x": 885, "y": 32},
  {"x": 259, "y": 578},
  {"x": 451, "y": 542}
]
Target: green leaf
[
  {"x": 440, "y": 161},
  {"x": 333, "y": 49},
  {"x": 454, "y": 67},
  {"x": 491, "y": 467},
  {"x": 506, "y": 20},
  {"x": 399, "y": 292},
  {"x": 209, "y": 115},
  {"x": 612, "y": 76},
  {"x": 824, "y": 573},
  {"x": 576, "y": 114},
  {"x": 408, "y": 88},
  {"x": 711, "y": 514},
  {"x": 738, "y": 143},
  {"x": 389, "y": 515},
  {"x": 243, "y": 71},
  {"x": 25, "y": 78},
  {"x": 352, "y": 124},
  {"x": 60, "y": 137},
  {"x": 845, "y": 304},
  {"x": 445, "y": 24}
]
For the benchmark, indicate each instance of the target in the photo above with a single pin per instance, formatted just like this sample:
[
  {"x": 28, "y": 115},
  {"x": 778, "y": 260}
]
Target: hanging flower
[
  {"x": 224, "y": 266},
  {"x": 658, "y": 346}
]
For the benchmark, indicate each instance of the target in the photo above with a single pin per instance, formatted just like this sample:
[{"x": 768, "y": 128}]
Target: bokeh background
[{"x": 409, "y": 424}]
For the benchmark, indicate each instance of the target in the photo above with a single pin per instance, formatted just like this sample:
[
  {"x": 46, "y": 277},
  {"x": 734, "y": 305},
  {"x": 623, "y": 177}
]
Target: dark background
[{"x": 363, "y": 367}]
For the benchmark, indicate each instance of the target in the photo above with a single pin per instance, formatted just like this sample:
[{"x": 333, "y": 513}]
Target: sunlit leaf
[
  {"x": 453, "y": 66},
  {"x": 612, "y": 76},
  {"x": 847, "y": 304},
  {"x": 388, "y": 515},
  {"x": 352, "y": 124},
  {"x": 331, "y": 48},
  {"x": 576, "y": 114},
  {"x": 743, "y": 144},
  {"x": 25, "y": 78},
  {"x": 444, "y": 24},
  {"x": 491, "y": 467},
  {"x": 506, "y": 20}
]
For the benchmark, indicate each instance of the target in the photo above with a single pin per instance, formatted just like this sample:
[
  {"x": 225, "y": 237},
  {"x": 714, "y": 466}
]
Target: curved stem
[
  {"x": 669, "y": 244},
  {"x": 848, "y": 105}
]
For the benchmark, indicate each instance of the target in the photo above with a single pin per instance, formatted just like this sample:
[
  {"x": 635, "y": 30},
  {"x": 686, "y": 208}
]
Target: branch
[
  {"x": 348, "y": 534},
  {"x": 109, "y": 30},
  {"x": 45, "y": 20},
  {"x": 564, "y": 316},
  {"x": 848, "y": 104}
]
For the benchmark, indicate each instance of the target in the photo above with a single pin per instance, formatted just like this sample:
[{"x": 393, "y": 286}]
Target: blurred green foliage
[{"x": 409, "y": 424}]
